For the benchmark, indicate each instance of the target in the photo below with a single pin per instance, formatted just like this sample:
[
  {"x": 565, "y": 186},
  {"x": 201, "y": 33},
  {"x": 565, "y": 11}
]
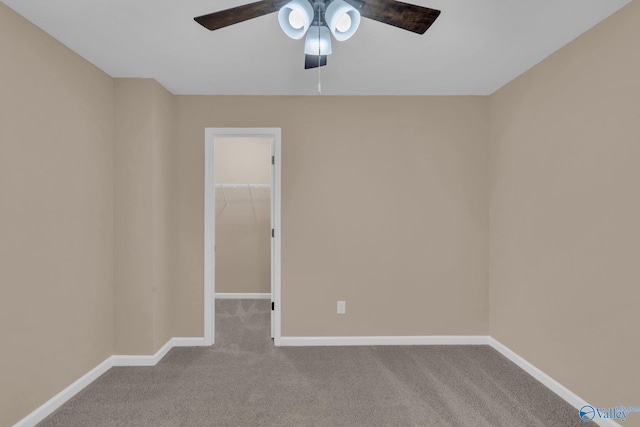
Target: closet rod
[{"x": 243, "y": 186}]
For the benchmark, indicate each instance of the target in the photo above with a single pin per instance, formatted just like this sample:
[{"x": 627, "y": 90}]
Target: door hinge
[
  {"x": 273, "y": 305},
  {"x": 273, "y": 160},
  {"x": 273, "y": 232}
]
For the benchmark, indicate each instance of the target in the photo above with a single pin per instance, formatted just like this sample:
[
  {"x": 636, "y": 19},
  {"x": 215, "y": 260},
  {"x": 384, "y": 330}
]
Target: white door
[{"x": 273, "y": 240}]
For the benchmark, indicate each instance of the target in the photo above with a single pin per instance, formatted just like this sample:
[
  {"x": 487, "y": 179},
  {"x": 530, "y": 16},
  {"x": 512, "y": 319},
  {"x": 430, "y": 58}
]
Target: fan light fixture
[
  {"x": 318, "y": 41},
  {"x": 342, "y": 19},
  {"x": 295, "y": 18},
  {"x": 339, "y": 18}
]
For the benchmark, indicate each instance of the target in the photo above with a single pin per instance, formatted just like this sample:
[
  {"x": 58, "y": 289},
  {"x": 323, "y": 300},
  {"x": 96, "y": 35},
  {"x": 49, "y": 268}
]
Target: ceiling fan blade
[
  {"x": 224, "y": 18},
  {"x": 409, "y": 17},
  {"x": 314, "y": 61}
]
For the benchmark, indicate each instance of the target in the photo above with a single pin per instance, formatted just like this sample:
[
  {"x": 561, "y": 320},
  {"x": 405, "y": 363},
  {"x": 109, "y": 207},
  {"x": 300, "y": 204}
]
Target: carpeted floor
[{"x": 243, "y": 380}]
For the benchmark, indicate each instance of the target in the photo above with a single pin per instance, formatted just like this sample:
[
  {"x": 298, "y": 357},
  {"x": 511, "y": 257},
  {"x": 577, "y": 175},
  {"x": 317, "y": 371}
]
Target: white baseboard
[
  {"x": 61, "y": 398},
  {"x": 188, "y": 342},
  {"x": 390, "y": 340},
  {"x": 246, "y": 295},
  {"x": 152, "y": 360},
  {"x": 135, "y": 360},
  {"x": 553, "y": 385}
]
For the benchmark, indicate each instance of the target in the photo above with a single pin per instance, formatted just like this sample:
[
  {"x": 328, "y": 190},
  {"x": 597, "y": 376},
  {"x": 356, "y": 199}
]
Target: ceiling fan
[{"x": 318, "y": 18}]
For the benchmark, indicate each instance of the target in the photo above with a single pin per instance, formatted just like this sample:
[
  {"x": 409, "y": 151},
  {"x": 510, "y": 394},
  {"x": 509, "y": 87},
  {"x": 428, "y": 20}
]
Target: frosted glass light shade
[
  {"x": 303, "y": 14},
  {"x": 318, "y": 41},
  {"x": 338, "y": 23}
]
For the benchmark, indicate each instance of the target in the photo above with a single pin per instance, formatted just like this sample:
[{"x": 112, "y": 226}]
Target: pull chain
[
  {"x": 319, "y": 83},
  {"x": 319, "y": 53}
]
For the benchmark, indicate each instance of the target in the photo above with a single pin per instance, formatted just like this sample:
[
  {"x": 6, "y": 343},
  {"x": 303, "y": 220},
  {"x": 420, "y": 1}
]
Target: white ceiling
[{"x": 474, "y": 48}]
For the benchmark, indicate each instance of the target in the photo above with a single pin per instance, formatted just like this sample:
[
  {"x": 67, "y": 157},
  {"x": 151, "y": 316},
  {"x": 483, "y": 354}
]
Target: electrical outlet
[{"x": 342, "y": 307}]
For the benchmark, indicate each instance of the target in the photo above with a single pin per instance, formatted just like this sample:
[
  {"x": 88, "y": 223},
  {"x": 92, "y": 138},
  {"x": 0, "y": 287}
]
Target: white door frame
[{"x": 210, "y": 136}]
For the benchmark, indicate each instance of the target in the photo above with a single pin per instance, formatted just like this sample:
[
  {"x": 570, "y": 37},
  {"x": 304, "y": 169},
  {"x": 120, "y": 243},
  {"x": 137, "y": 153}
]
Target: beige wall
[
  {"x": 56, "y": 210},
  {"x": 164, "y": 220},
  {"x": 243, "y": 216},
  {"x": 384, "y": 205},
  {"x": 565, "y": 212},
  {"x": 143, "y": 135}
]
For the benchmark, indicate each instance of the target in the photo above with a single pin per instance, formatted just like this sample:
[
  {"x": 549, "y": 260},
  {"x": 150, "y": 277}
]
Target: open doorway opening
[
  {"x": 243, "y": 217},
  {"x": 242, "y": 221}
]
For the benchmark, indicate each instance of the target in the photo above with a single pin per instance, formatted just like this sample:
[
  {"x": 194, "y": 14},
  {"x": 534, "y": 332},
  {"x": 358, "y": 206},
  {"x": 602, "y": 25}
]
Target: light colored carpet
[{"x": 243, "y": 380}]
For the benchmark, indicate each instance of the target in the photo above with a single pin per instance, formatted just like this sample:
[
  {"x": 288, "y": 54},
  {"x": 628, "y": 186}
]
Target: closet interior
[{"x": 243, "y": 217}]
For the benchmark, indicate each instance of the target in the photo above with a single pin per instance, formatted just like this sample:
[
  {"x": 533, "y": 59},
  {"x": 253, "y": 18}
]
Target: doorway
[{"x": 241, "y": 199}]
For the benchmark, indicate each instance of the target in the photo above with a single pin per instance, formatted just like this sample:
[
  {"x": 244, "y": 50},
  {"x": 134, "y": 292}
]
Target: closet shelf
[
  {"x": 245, "y": 186},
  {"x": 249, "y": 186}
]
